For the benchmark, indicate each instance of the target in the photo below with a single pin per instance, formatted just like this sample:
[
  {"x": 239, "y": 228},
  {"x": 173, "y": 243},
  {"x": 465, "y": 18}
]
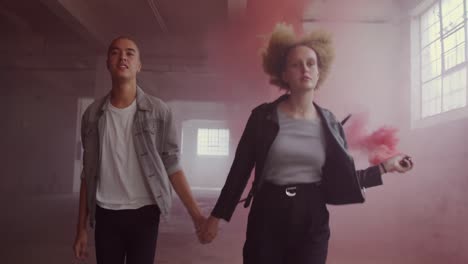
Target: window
[
  {"x": 439, "y": 54},
  {"x": 213, "y": 142}
]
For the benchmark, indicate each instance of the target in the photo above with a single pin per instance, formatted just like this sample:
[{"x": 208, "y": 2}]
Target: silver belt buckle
[{"x": 291, "y": 191}]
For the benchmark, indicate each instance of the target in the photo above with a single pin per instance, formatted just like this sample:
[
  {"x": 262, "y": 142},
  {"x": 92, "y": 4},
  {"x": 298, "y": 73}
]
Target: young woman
[{"x": 300, "y": 157}]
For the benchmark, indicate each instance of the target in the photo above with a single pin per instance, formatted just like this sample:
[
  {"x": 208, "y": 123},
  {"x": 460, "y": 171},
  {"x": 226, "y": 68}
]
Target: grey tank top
[{"x": 297, "y": 153}]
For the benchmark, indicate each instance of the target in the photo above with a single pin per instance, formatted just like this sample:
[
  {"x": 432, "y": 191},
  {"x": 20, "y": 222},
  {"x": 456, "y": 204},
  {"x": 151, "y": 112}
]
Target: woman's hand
[
  {"x": 210, "y": 230},
  {"x": 399, "y": 163}
]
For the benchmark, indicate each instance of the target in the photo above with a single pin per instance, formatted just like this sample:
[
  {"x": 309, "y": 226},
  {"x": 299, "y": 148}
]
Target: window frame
[
  {"x": 416, "y": 68},
  {"x": 208, "y": 154}
]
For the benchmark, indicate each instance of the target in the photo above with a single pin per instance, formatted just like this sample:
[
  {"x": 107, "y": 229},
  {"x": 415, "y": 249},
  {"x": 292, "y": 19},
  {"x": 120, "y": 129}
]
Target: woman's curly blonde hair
[{"x": 283, "y": 39}]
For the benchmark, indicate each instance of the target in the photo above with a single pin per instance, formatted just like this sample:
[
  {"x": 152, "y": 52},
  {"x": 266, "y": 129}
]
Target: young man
[{"x": 130, "y": 161}]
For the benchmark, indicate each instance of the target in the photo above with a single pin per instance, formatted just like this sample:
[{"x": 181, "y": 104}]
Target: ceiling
[
  {"x": 58, "y": 41},
  {"x": 62, "y": 39}
]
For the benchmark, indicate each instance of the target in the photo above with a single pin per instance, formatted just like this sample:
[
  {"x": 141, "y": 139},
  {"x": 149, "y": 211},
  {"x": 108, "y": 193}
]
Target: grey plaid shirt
[{"x": 156, "y": 144}]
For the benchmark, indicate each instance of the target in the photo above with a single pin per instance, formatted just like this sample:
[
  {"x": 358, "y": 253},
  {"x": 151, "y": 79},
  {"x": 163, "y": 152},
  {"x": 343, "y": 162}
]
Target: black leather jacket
[{"x": 341, "y": 183}]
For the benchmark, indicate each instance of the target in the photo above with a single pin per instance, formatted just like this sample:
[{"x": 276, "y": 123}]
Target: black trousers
[
  {"x": 126, "y": 236},
  {"x": 287, "y": 226}
]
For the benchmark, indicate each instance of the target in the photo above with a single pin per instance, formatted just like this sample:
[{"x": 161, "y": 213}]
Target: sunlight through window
[
  {"x": 214, "y": 142},
  {"x": 442, "y": 38}
]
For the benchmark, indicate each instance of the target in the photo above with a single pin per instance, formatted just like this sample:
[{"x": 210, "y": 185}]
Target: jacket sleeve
[
  {"x": 369, "y": 177},
  {"x": 239, "y": 173},
  {"x": 170, "y": 154}
]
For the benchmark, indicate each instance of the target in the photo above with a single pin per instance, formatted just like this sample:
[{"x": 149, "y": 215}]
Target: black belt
[{"x": 291, "y": 189}]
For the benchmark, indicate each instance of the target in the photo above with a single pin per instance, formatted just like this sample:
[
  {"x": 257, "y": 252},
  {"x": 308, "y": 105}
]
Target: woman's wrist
[{"x": 382, "y": 168}]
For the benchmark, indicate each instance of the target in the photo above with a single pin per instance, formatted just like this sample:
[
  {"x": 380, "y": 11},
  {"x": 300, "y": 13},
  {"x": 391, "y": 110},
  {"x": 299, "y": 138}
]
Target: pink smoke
[
  {"x": 379, "y": 145},
  {"x": 235, "y": 51}
]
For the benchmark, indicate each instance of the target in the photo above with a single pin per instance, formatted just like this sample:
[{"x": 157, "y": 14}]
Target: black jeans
[
  {"x": 126, "y": 236},
  {"x": 285, "y": 229}
]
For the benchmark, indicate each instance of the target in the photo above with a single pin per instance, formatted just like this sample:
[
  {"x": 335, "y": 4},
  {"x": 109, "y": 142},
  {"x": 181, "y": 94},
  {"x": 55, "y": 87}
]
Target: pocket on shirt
[
  {"x": 150, "y": 127},
  {"x": 153, "y": 128}
]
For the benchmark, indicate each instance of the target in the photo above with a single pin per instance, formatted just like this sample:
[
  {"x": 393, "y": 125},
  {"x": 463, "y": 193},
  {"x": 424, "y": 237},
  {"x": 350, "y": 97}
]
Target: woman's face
[{"x": 301, "y": 71}]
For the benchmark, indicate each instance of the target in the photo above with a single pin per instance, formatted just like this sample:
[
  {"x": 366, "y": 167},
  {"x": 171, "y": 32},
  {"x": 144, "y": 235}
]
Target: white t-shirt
[{"x": 121, "y": 184}]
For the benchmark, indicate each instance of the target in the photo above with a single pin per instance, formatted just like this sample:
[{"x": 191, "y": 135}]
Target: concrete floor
[{"x": 41, "y": 230}]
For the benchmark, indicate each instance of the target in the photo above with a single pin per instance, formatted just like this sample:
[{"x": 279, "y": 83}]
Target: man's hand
[
  {"x": 199, "y": 222},
  {"x": 80, "y": 246}
]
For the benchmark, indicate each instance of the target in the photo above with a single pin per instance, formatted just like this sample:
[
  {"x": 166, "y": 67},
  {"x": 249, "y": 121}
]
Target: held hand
[
  {"x": 199, "y": 222},
  {"x": 399, "y": 163},
  {"x": 210, "y": 230},
  {"x": 80, "y": 246}
]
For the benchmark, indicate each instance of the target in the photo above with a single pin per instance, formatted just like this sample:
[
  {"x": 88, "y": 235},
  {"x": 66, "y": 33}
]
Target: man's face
[{"x": 123, "y": 59}]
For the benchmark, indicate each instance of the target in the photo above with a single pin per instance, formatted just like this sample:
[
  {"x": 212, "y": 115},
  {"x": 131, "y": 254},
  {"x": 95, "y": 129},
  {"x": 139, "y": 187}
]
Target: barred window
[
  {"x": 442, "y": 54},
  {"x": 213, "y": 142}
]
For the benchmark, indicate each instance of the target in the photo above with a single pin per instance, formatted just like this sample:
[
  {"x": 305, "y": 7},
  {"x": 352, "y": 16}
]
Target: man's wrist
[
  {"x": 195, "y": 212},
  {"x": 81, "y": 229}
]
